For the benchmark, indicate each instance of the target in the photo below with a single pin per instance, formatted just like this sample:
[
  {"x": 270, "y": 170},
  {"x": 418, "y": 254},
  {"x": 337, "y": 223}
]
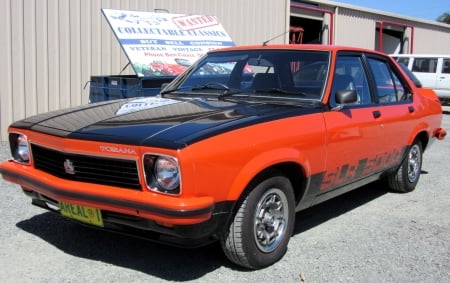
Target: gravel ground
[{"x": 367, "y": 235}]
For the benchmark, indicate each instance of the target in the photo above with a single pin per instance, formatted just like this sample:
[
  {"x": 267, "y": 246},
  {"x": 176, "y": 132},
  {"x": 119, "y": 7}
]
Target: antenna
[{"x": 267, "y": 41}]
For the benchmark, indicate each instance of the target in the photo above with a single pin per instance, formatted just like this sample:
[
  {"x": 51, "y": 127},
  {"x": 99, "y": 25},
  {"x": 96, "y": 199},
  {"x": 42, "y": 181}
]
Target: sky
[{"x": 422, "y": 9}]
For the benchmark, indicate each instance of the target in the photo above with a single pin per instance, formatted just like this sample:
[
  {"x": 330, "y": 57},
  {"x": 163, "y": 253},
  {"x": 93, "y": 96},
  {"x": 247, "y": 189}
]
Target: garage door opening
[
  {"x": 394, "y": 38},
  {"x": 317, "y": 23},
  {"x": 312, "y": 30}
]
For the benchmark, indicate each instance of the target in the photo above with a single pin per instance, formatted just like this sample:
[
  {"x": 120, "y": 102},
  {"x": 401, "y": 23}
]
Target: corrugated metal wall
[
  {"x": 358, "y": 28},
  {"x": 354, "y": 28},
  {"x": 431, "y": 39},
  {"x": 50, "y": 48}
]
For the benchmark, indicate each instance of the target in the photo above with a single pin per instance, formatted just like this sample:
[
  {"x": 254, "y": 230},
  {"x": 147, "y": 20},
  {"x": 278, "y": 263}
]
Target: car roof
[
  {"x": 318, "y": 47},
  {"x": 420, "y": 55}
]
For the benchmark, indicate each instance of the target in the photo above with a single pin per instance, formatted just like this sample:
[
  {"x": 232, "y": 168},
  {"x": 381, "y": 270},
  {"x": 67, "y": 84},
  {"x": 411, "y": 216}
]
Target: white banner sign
[{"x": 164, "y": 44}]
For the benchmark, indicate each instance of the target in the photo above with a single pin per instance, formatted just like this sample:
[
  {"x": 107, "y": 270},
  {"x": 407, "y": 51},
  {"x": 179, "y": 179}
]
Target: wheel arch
[
  {"x": 421, "y": 132},
  {"x": 288, "y": 162},
  {"x": 296, "y": 175},
  {"x": 420, "y": 135},
  {"x": 423, "y": 138}
]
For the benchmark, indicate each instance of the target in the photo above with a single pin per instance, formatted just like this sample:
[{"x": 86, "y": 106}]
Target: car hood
[{"x": 155, "y": 121}]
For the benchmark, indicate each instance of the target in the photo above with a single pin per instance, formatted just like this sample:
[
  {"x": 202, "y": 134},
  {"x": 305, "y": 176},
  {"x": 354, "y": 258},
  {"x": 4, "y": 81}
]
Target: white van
[{"x": 433, "y": 71}]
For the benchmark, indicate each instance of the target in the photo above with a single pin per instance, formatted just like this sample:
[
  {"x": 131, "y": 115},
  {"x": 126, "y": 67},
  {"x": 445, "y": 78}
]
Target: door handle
[
  {"x": 376, "y": 114},
  {"x": 411, "y": 109}
]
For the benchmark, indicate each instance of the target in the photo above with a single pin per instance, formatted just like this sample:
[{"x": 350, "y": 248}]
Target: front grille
[{"x": 83, "y": 168}]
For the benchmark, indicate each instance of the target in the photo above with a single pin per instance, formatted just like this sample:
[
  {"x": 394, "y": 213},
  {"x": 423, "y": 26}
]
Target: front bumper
[
  {"x": 128, "y": 211},
  {"x": 186, "y": 236}
]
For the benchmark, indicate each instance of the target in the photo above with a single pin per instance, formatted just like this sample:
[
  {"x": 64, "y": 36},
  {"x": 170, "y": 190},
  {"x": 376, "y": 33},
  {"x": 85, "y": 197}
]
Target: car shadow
[
  {"x": 166, "y": 262},
  {"x": 337, "y": 206},
  {"x": 162, "y": 261}
]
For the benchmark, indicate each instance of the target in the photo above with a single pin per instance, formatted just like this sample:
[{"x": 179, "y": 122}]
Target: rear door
[{"x": 395, "y": 106}]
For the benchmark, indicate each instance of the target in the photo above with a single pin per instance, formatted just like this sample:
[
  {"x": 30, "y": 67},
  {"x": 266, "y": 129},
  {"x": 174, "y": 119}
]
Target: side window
[
  {"x": 425, "y": 65},
  {"x": 350, "y": 75},
  {"x": 389, "y": 85},
  {"x": 446, "y": 66}
]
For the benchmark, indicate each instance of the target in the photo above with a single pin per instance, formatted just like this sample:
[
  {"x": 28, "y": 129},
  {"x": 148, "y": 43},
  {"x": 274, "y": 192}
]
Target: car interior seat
[
  {"x": 343, "y": 82},
  {"x": 264, "y": 81}
]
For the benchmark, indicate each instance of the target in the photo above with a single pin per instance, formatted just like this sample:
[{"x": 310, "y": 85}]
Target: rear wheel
[
  {"x": 262, "y": 226},
  {"x": 405, "y": 179}
]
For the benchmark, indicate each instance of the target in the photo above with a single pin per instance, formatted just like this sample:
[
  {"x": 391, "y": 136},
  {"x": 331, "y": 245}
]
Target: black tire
[
  {"x": 405, "y": 178},
  {"x": 262, "y": 226}
]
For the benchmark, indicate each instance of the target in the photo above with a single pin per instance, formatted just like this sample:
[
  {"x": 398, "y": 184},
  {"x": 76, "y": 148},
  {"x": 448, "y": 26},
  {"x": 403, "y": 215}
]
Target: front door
[{"x": 355, "y": 132}]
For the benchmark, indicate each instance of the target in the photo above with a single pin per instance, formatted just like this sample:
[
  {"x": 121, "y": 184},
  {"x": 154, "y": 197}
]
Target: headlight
[
  {"x": 19, "y": 147},
  {"x": 162, "y": 173},
  {"x": 166, "y": 173}
]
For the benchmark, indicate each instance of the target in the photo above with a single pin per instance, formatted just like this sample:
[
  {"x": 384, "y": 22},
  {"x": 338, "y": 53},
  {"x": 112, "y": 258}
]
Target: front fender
[{"x": 263, "y": 161}]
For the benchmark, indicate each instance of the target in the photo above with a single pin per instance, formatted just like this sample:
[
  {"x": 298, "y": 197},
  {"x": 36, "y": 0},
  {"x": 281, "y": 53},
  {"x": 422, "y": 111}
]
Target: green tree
[{"x": 444, "y": 18}]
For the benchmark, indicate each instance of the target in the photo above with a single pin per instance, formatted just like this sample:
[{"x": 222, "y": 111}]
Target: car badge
[{"x": 69, "y": 167}]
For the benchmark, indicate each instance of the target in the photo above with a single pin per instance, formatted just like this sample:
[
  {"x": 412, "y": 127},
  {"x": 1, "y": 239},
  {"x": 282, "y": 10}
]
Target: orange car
[{"x": 232, "y": 148}]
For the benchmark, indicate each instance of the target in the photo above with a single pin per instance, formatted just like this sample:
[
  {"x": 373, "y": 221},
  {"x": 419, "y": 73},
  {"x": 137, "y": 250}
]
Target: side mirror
[{"x": 346, "y": 96}]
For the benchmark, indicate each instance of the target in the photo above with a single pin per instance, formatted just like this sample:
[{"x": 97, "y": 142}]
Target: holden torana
[{"x": 232, "y": 148}]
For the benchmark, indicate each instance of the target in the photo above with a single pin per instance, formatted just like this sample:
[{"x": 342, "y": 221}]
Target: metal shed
[
  {"x": 50, "y": 48},
  {"x": 343, "y": 24}
]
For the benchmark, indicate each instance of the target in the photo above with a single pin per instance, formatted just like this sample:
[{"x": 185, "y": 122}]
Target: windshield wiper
[
  {"x": 279, "y": 90},
  {"x": 218, "y": 86},
  {"x": 213, "y": 85},
  {"x": 164, "y": 92}
]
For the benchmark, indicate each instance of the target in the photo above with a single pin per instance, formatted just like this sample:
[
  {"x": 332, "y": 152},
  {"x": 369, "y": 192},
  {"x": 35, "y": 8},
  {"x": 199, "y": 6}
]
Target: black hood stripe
[{"x": 161, "y": 122}]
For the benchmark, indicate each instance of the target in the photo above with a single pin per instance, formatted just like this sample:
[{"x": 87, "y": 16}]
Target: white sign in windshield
[{"x": 164, "y": 44}]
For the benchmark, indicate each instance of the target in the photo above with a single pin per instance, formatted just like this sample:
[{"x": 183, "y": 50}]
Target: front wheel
[
  {"x": 405, "y": 178},
  {"x": 262, "y": 226}
]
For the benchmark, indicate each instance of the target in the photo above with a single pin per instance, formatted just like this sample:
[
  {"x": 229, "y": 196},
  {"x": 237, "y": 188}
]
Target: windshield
[{"x": 258, "y": 73}]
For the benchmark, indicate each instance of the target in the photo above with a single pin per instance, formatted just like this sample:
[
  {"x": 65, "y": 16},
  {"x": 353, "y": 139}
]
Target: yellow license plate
[{"x": 82, "y": 213}]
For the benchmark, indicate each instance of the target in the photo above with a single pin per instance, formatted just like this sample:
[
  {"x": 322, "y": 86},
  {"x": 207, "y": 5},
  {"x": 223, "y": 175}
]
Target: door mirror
[{"x": 346, "y": 96}]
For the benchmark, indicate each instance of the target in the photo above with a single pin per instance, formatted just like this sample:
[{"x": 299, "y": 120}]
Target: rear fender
[
  {"x": 423, "y": 131},
  {"x": 429, "y": 128}
]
